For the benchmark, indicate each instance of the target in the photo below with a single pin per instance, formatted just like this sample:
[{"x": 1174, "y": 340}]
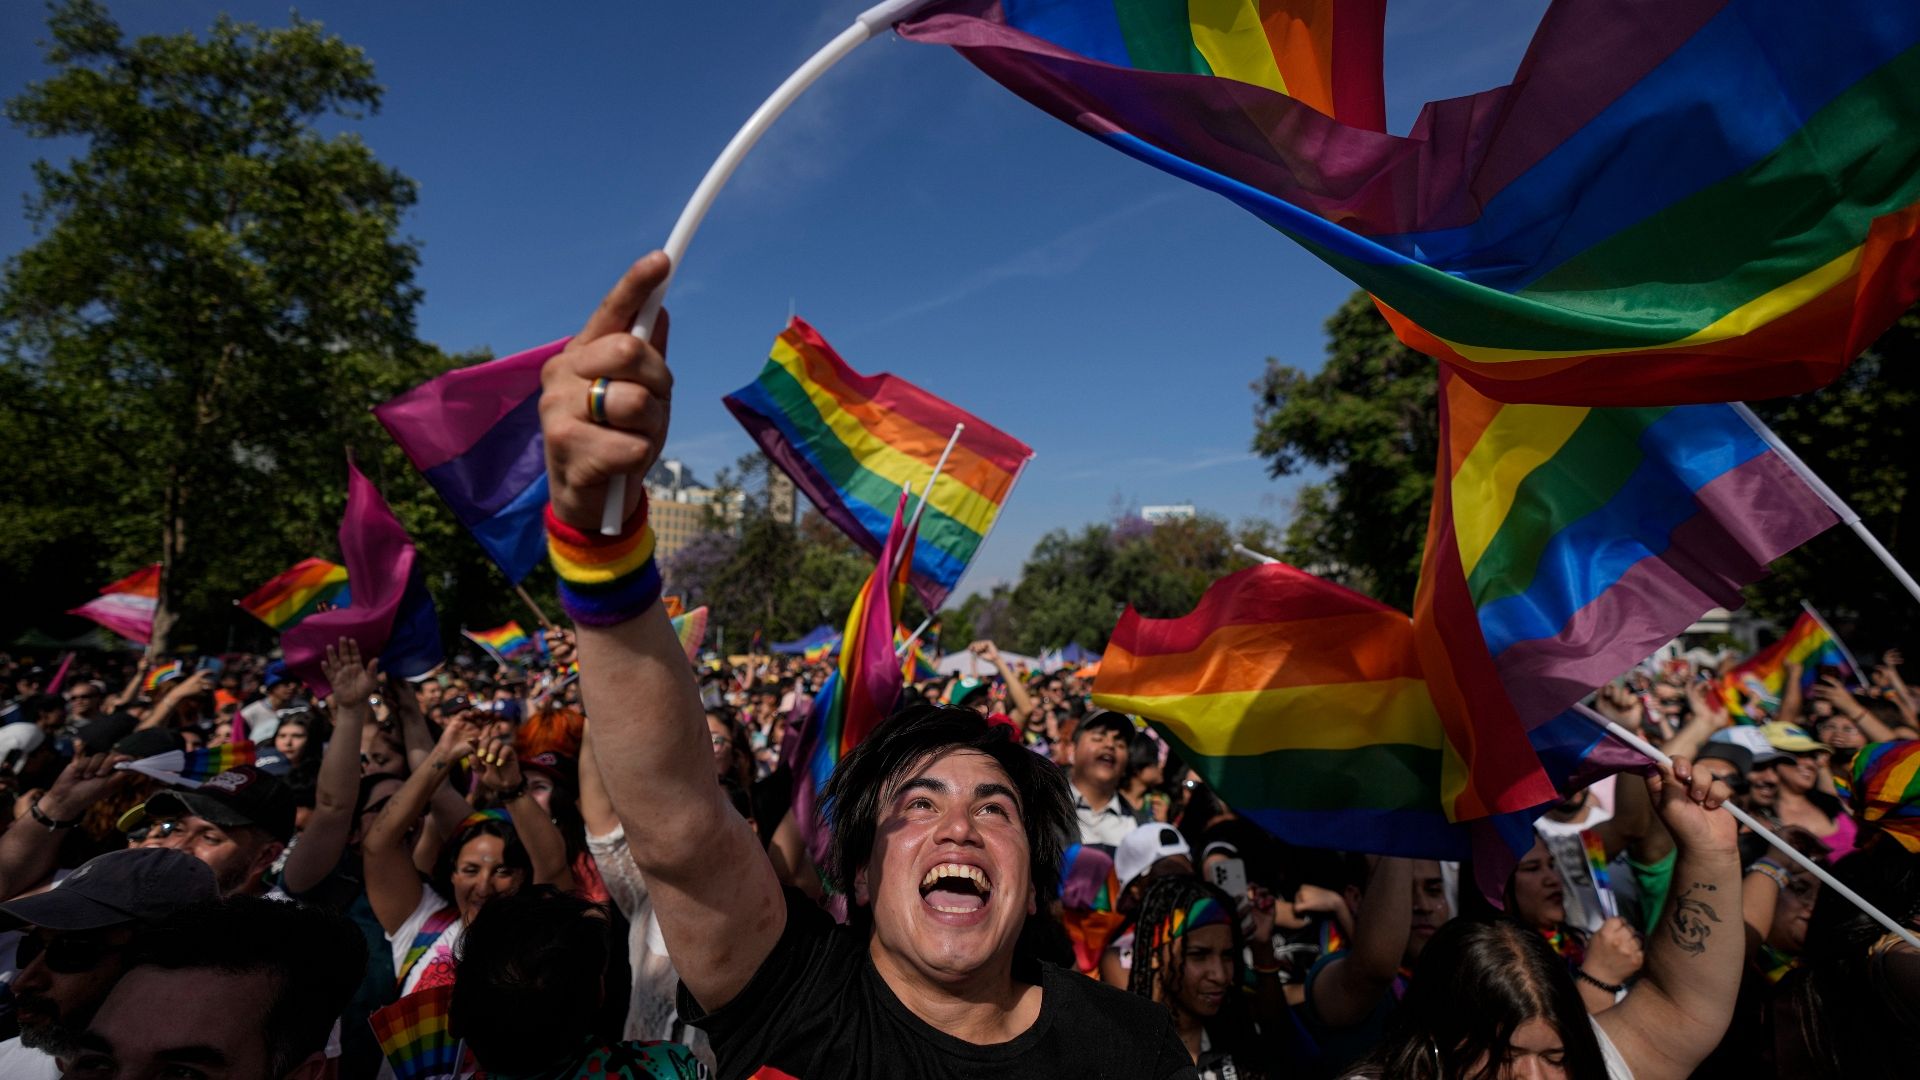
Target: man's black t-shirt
[{"x": 818, "y": 1010}]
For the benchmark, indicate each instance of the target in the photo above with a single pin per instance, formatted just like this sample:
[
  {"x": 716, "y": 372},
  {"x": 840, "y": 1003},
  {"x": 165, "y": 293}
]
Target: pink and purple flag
[
  {"x": 392, "y": 616},
  {"x": 126, "y": 607},
  {"x": 475, "y": 434}
]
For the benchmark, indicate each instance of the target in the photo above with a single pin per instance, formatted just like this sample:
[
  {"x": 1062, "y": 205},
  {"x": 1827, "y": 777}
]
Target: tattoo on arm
[{"x": 1691, "y": 914}]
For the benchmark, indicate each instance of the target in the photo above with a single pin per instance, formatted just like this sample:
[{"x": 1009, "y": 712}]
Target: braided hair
[{"x": 1172, "y": 904}]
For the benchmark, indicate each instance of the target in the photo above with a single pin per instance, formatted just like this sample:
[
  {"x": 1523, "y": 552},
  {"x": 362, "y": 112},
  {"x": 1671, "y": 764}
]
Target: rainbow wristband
[{"x": 604, "y": 580}]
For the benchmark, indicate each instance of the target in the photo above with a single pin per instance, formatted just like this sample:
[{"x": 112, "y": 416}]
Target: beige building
[{"x": 678, "y": 507}]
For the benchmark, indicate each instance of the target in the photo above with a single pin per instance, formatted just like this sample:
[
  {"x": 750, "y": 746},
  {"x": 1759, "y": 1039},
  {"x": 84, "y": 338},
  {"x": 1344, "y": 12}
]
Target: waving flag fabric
[
  {"x": 475, "y": 434},
  {"x": 691, "y": 629},
  {"x": 818, "y": 636},
  {"x": 1685, "y": 201},
  {"x": 126, "y": 607},
  {"x": 192, "y": 768},
  {"x": 163, "y": 673},
  {"x": 298, "y": 592},
  {"x": 1306, "y": 706},
  {"x": 507, "y": 643},
  {"x": 1764, "y": 674},
  {"x": 392, "y": 616},
  {"x": 861, "y": 692},
  {"x": 415, "y": 1033},
  {"x": 852, "y": 441},
  {"x": 1567, "y": 544}
]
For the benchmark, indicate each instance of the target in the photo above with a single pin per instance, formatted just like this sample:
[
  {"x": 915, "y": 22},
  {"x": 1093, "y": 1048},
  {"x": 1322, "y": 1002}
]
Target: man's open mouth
[{"x": 956, "y": 888}]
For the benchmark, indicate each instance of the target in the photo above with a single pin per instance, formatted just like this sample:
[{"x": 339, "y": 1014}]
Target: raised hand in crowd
[
  {"x": 1614, "y": 956},
  {"x": 29, "y": 847},
  {"x": 1022, "y": 701},
  {"x": 194, "y": 683},
  {"x": 393, "y": 881},
  {"x": 506, "y": 787},
  {"x": 336, "y": 794}
]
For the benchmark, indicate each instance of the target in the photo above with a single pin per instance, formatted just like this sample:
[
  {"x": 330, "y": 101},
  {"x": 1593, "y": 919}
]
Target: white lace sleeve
[{"x": 617, "y": 868}]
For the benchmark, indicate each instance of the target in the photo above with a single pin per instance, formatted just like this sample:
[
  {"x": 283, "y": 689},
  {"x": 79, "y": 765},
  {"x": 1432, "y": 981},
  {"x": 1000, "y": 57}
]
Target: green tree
[
  {"x": 217, "y": 293},
  {"x": 1366, "y": 420},
  {"x": 1859, "y": 435}
]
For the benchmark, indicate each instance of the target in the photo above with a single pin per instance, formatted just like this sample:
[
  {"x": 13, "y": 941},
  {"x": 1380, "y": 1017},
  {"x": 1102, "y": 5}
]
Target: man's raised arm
[{"x": 719, "y": 905}]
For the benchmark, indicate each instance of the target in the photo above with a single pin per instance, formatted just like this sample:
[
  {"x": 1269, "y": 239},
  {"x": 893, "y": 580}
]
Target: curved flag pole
[{"x": 869, "y": 24}]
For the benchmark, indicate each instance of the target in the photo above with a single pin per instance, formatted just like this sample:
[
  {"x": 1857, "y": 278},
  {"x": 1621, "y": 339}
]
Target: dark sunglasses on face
[{"x": 65, "y": 955}]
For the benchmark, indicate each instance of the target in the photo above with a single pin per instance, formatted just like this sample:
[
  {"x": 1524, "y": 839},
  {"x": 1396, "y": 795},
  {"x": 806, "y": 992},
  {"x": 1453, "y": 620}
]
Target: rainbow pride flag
[
  {"x": 163, "y": 673},
  {"x": 1764, "y": 674},
  {"x": 392, "y": 616},
  {"x": 691, "y": 629},
  {"x": 1886, "y": 789},
  {"x": 298, "y": 592},
  {"x": 914, "y": 666},
  {"x": 815, "y": 653},
  {"x": 1695, "y": 200},
  {"x": 1306, "y": 707},
  {"x": 862, "y": 690},
  {"x": 416, "y": 1036},
  {"x": 474, "y": 434},
  {"x": 126, "y": 607},
  {"x": 506, "y": 643},
  {"x": 1566, "y": 544},
  {"x": 192, "y": 768},
  {"x": 852, "y": 441}
]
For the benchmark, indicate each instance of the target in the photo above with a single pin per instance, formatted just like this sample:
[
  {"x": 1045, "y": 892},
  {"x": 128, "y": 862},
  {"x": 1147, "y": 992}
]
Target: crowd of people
[{"x": 592, "y": 865}]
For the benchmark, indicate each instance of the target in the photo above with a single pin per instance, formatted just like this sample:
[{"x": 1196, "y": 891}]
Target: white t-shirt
[
  {"x": 20, "y": 1063},
  {"x": 1616, "y": 1065},
  {"x": 439, "y": 955}
]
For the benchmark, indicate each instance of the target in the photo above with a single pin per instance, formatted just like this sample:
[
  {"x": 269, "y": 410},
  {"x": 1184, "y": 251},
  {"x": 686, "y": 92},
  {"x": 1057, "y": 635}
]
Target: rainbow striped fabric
[
  {"x": 126, "y": 607},
  {"x": 392, "y": 616},
  {"x": 1205, "y": 911},
  {"x": 816, "y": 653},
  {"x": 691, "y": 629},
  {"x": 415, "y": 1035},
  {"x": 1696, "y": 200},
  {"x": 1764, "y": 674},
  {"x": 474, "y": 434},
  {"x": 190, "y": 769},
  {"x": 861, "y": 691},
  {"x": 506, "y": 643},
  {"x": 1886, "y": 789},
  {"x": 852, "y": 441},
  {"x": 298, "y": 592},
  {"x": 1305, "y": 706},
  {"x": 1566, "y": 544},
  {"x": 163, "y": 673}
]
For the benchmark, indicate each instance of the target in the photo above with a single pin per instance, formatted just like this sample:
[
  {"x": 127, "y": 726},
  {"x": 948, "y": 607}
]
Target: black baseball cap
[
  {"x": 1105, "y": 721},
  {"x": 135, "y": 885},
  {"x": 1739, "y": 757},
  {"x": 242, "y": 796}
]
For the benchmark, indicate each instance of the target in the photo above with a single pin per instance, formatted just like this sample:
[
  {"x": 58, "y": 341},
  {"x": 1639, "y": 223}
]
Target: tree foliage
[
  {"x": 217, "y": 293},
  {"x": 1366, "y": 419}
]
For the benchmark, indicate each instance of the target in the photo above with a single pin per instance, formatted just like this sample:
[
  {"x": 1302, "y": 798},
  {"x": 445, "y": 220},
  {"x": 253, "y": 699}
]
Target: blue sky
[{"x": 925, "y": 220}]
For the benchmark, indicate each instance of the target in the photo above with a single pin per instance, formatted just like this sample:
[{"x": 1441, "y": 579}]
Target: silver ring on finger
[{"x": 597, "y": 400}]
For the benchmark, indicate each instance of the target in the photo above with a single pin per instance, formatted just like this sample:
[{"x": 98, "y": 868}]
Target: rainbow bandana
[
  {"x": 481, "y": 817},
  {"x": 1886, "y": 789},
  {"x": 1205, "y": 911}
]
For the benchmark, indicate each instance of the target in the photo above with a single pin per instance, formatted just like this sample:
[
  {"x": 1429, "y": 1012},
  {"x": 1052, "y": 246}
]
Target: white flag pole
[
  {"x": 1759, "y": 830},
  {"x": 1254, "y": 555},
  {"x": 869, "y": 23},
  {"x": 926, "y": 493},
  {"x": 1830, "y": 497}
]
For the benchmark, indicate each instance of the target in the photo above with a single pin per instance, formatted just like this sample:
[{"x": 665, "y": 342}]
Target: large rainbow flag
[
  {"x": 126, "y": 607},
  {"x": 1306, "y": 706},
  {"x": 475, "y": 434},
  {"x": 1763, "y": 675},
  {"x": 1567, "y": 544},
  {"x": 1685, "y": 201},
  {"x": 298, "y": 592},
  {"x": 1886, "y": 790},
  {"x": 852, "y": 441},
  {"x": 861, "y": 691}
]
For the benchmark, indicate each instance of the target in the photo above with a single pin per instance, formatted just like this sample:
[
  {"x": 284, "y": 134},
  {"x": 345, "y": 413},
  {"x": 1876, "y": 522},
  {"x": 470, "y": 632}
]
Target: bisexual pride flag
[{"x": 475, "y": 434}]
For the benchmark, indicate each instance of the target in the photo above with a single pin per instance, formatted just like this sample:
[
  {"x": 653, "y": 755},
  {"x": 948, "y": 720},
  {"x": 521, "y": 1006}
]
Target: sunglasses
[{"x": 65, "y": 955}]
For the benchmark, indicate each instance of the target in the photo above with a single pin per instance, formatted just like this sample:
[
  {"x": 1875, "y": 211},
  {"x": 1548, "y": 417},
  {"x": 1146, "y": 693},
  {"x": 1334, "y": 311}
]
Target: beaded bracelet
[{"x": 604, "y": 580}]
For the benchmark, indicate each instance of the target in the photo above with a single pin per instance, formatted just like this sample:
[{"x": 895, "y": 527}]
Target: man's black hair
[
  {"x": 541, "y": 976},
  {"x": 866, "y": 779},
  {"x": 313, "y": 958}
]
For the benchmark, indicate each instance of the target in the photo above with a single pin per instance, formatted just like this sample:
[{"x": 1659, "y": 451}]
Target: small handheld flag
[
  {"x": 191, "y": 768},
  {"x": 297, "y": 592},
  {"x": 127, "y": 606}
]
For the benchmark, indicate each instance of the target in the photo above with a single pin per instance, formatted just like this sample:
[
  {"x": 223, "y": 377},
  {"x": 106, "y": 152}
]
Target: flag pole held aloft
[
  {"x": 1759, "y": 830},
  {"x": 869, "y": 23}
]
